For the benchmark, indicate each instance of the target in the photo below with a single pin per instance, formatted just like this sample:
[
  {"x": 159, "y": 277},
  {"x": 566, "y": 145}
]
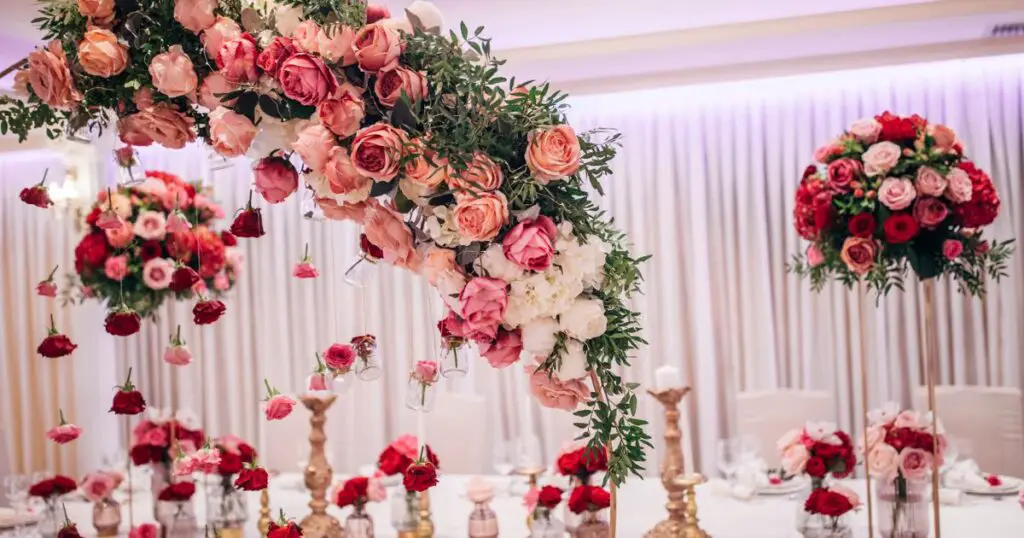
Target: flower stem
[
  {"x": 61, "y": 413},
  {"x": 50, "y": 278}
]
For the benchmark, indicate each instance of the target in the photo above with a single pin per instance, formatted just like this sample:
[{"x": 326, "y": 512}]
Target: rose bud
[
  {"x": 47, "y": 288},
  {"x": 122, "y": 321},
  {"x": 127, "y": 400},
  {"x": 376, "y": 12},
  {"x": 305, "y": 267},
  {"x": 63, "y": 433},
  {"x": 37, "y": 195},
  {"x": 277, "y": 406},
  {"x": 55, "y": 344},
  {"x": 207, "y": 311},
  {"x": 125, "y": 157},
  {"x": 183, "y": 278},
  {"x": 177, "y": 353},
  {"x": 319, "y": 380},
  {"x": 420, "y": 476},
  {"x": 252, "y": 479},
  {"x": 248, "y": 222}
]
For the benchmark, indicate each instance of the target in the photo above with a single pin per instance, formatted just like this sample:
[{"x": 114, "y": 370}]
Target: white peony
[
  {"x": 540, "y": 336},
  {"x": 441, "y": 228},
  {"x": 583, "y": 261},
  {"x": 272, "y": 135},
  {"x": 287, "y": 19},
  {"x": 449, "y": 284},
  {"x": 528, "y": 299},
  {"x": 574, "y": 361},
  {"x": 565, "y": 290},
  {"x": 322, "y": 187},
  {"x": 494, "y": 263},
  {"x": 584, "y": 320}
]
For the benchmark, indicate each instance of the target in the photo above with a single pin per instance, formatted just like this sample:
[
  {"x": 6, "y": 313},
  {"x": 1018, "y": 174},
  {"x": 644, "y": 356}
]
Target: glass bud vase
[
  {"x": 454, "y": 358},
  {"x": 159, "y": 478},
  {"x": 341, "y": 382},
  {"x": 592, "y": 526},
  {"x": 547, "y": 526},
  {"x": 359, "y": 524},
  {"x": 51, "y": 519},
  {"x": 902, "y": 509},
  {"x": 404, "y": 510},
  {"x": 420, "y": 396},
  {"x": 177, "y": 518},
  {"x": 483, "y": 522},
  {"x": 362, "y": 272},
  {"x": 227, "y": 505},
  {"x": 106, "y": 517},
  {"x": 367, "y": 365}
]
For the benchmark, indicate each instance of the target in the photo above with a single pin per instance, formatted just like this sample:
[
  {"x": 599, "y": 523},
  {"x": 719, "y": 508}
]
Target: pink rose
[
  {"x": 335, "y": 44},
  {"x": 46, "y": 289},
  {"x": 50, "y": 77},
  {"x": 342, "y": 114},
  {"x": 177, "y": 355},
  {"x": 437, "y": 260},
  {"x": 278, "y": 407},
  {"x": 814, "y": 256},
  {"x": 884, "y": 462},
  {"x": 952, "y": 249},
  {"x": 314, "y": 144},
  {"x": 96, "y": 9},
  {"x": 376, "y": 12},
  {"x": 237, "y": 59},
  {"x": 866, "y": 130},
  {"x": 554, "y": 393},
  {"x": 896, "y": 193},
  {"x": 481, "y": 174},
  {"x": 392, "y": 82},
  {"x": 377, "y": 151},
  {"x": 908, "y": 419},
  {"x": 842, "y": 172},
  {"x": 154, "y": 437},
  {"x": 63, "y": 434},
  {"x": 503, "y": 350},
  {"x": 794, "y": 459},
  {"x": 553, "y": 154},
  {"x": 388, "y": 231},
  {"x": 279, "y": 50},
  {"x": 116, "y": 267},
  {"x": 275, "y": 179},
  {"x": 375, "y": 490},
  {"x": 479, "y": 217},
  {"x": 151, "y": 225},
  {"x": 222, "y": 31},
  {"x": 306, "y": 79},
  {"x": 221, "y": 282},
  {"x": 100, "y": 54},
  {"x": 530, "y": 244},
  {"x": 306, "y": 36},
  {"x": 231, "y": 133},
  {"x": 161, "y": 124},
  {"x": 339, "y": 357},
  {"x": 344, "y": 180},
  {"x": 212, "y": 90},
  {"x": 425, "y": 371},
  {"x": 317, "y": 383},
  {"x": 945, "y": 138},
  {"x": 929, "y": 182},
  {"x": 120, "y": 237},
  {"x": 144, "y": 530},
  {"x": 914, "y": 464},
  {"x": 959, "y": 188},
  {"x": 859, "y": 254},
  {"x": 880, "y": 158},
  {"x": 173, "y": 73},
  {"x": 143, "y": 98},
  {"x": 195, "y": 15},
  {"x": 407, "y": 445},
  {"x": 482, "y": 304},
  {"x": 829, "y": 151},
  {"x": 156, "y": 273},
  {"x": 930, "y": 212},
  {"x": 305, "y": 270},
  {"x": 377, "y": 48}
]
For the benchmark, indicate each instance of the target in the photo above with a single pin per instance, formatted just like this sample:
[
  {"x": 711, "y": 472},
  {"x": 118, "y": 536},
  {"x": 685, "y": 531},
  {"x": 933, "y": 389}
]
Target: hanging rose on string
[
  {"x": 248, "y": 222},
  {"x": 64, "y": 432},
  {"x": 207, "y": 311},
  {"x": 37, "y": 195},
  {"x": 47, "y": 288},
  {"x": 276, "y": 406},
  {"x": 252, "y": 478},
  {"x": 68, "y": 529},
  {"x": 305, "y": 267},
  {"x": 320, "y": 379},
  {"x": 422, "y": 378},
  {"x": 55, "y": 344},
  {"x": 183, "y": 278},
  {"x": 122, "y": 321},
  {"x": 127, "y": 400},
  {"x": 177, "y": 353}
]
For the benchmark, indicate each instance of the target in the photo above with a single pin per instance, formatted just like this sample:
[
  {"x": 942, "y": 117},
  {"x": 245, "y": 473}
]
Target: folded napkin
[
  {"x": 723, "y": 488},
  {"x": 950, "y": 496},
  {"x": 965, "y": 475},
  {"x": 752, "y": 473}
]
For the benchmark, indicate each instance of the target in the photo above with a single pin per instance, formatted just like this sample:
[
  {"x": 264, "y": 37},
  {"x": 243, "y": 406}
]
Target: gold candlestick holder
[
  {"x": 319, "y": 524},
  {"x": 672, "y": 466},
  {"x": 264, "y": 522},
  {"x": 689, "y": 483},
  {"x": 425, "y": 527},
  {"x": 531, "y": 474}
]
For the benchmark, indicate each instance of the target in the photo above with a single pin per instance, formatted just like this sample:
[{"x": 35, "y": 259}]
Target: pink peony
[
  {"x": 279, "y": 50},
  {"x": 407, "y": 445},
  {"x": 843, "y": 172},
  {"x": 275, "y": 179},
  {"x": 305, "y": 270},
  {"x": 425, "y": 372},
  {"x": 156, "y": 273},
  {"x": 929, "y": 182},
  {"x": 278, "y": 407},
  {"x": 306, "y": 36},
  {"x": 553, "y": 154},
  {"x": 392, "y": 82},
  {"x": 896, "y": 193},
  {"x": 222, "y": 31},
  {"x": 116, "y": 268},
  {"x": 552, "y": 392},
  {"x": 952, "y": 249},
  {"x": 221, "y": 282},
  {"x": 386, "y": 230},
  {"x": 195, "y": 15},
  {"x": 237, "y": 59},
  {"x": 231, "y": 133},
  {"x": 530, "y": 244},
  {"x": 930, "y": 212},
  {"x": 377, "y": 151},
  {"x": 343, "y": 113},
  {"x": 339, "y": 357},
  {"x": 482, "y": 304},
  {"x": 173, "y": 73},
  {"x": 150, "y": 225},
  {"x": 914, "y": 464},
  {"x": 503, "y": 350},
  {"x": 335, "y": 44},
  {"x": 306, "y": 79},
  {"x": 377, "y": 48},
  {"x": 880, "y": 158},
  {"x": 314, "y": 144}
]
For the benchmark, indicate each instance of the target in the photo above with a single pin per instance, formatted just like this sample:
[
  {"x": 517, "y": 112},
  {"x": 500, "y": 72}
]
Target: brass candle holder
[
  {"x": 425, "y": 527},
  {"x": 672, "y": 467},
  {"x": 531, "y": 474},
  {"x": 319, "y": 524},
  {"x": 264, "y": 522},
  {"x": 689, "y": 483}
]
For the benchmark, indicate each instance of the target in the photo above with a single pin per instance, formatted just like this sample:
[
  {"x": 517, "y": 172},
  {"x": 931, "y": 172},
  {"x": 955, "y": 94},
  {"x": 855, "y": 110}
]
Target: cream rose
[
  {"x": 540, "y": 336},
  {"x": 480, "y": 217},
  {"x": 883, "y": 460},
  {"x": 794, "y": 459},
  {"x": 584, "y": 320},
  {"x": 574, "y": 361},
  {"x": 866, "y": 130},
  {"x": 880, "y": 158},
  {"x": 101, "y": 55}
]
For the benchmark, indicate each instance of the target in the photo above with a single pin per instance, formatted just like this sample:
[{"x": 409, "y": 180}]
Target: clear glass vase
[
  {"x": 341, "y": 382},
  {"x": 51, "y": 518},
  {"x": 159, "y": 478},
  {"x": 454, "y": 359},
  {"x": 902, "y": 509},
  {"x": 362, "y": 272},
  {"x": 106, "y": 517},
  {"x": 227, "y": 505},
  {"x": 359, "y": 524},
  {"x": 368, "y": 367},
  {"x": 547, "y": 526},
  {"x": 592, "y": 526},
  {"x": 818, "y": 526},
  {"x": 483, "y": 522},
  {"x": 404, "y": 510},
  {"x": 420, "y": 396},
  {"x": 177, "y": 518}
]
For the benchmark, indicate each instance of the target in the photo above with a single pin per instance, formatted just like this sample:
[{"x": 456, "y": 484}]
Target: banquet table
[{"x": 641, "y": 506}]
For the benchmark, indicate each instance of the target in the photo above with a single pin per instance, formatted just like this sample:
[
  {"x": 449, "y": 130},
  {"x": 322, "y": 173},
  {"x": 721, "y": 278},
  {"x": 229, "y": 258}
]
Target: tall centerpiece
[{"x": 817, "y": 451}]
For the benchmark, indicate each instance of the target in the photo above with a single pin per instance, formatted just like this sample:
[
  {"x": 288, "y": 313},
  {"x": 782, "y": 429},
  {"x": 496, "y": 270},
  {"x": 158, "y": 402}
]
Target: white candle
[{"x": 668, "y": 377}]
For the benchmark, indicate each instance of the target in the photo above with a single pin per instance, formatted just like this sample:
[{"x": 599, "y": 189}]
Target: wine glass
[
  {"x": 728, "y": 456},
  {"x": 749, "y": 447},
  {"x": 16, "y": 492},
  {"x": 502, "y": 460}
]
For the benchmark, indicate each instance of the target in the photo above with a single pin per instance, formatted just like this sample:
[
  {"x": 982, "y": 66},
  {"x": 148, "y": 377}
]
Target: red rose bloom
[
  {"x": 288, "y": 530},
  {"x": 36, "y": 195},
  {"x": 183, "y": 278},
  {"x": 897, "y": 129},
  {"x": 207, "y": 311},
  {"x": 585, "y": 498},
  {"x": 93, "y": 216},
  {"x": 68, "y": 531},
  {"x": 91, "y": 251},
  {"x": 353, "y": 492},
  {"x": 230, "y": 463},
  {"x": 900, "y": 228},
  {"x": 369, "y": 248},
  {"x": 569, "y": 463},
  {"x": 594, "y": 460},
  {"x": 55, "y": 346},
  {"x": 122, "y": 323},
  {"x": 862, "y": 225},
  {"x": 247, "y": 453},
  {"x": 180, "y": 491},
  {"x": 419, "y": 477},
  {"x": 983, "y": 208},
  {"x": 816, "y": 467},
  {"x": 829, "y": 503},
  {"x": 599, "y": 498},
  {"x": 128, "y": 403},
  {"x": 391, "y": 462},
  {"x": 228, "y": 239},
  {"x": 901, "y": 438},
  {"x": 248, "y": 223},
  {"x": 549, "y": 497},
  {"x": 252, "y": 479},
  {"x": 150, "y": 249}
]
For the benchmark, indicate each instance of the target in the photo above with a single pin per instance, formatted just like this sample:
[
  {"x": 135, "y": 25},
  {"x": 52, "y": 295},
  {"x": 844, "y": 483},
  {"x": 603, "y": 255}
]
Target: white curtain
[{"x": 704, "y": 182}]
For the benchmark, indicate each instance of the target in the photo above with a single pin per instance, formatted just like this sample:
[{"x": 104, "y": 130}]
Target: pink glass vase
[
  {"x": 359, "y": 524},
  {"x": 592, "y": 526},
  {"x": 483, "y": 523},
  {"x": 106, "y": 517},
  {"x": 903, "y": 509}
]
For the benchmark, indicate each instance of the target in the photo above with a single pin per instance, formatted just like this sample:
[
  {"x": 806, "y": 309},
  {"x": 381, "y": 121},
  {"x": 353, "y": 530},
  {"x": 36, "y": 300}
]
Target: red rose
[
  {"x": 288, "y": 530},
  {"x": 369, "y": 248},
  {"x": 207, "y": 311},
  {"x": 549, "y": 497},
  {"x": 183, "y": 278},
  {"x": 983, "y": 208},
  {"x": 279, "y": 50},
  {"x": 816, "y": 467},
  {"x": 228, "y": 239},
  {"x": 594, "y": 460},
  {"x": 585, "y": 498},
  {"x": 93, "y": 216},
  {"x": 248, "y": 223},
  {"x": 56, "y": 345},
  {"x": 150, "y": 249},
  {"x": 247, "y": 453},
  {"x": 252, "y": 479},
  {"x": 43, "y": 488},
  {"x": 122, "y": 323},
  {"x": 180, "y": 491},
  {"x": 849, "y": 463},
  {"x": 91, "y": 251},
  {"x": 128, "y": 403},
  {"x": 68, "y": 531},
  {"x": 830, "y": 504},
  {"x": 419, "y": 477},
  {"x": 825, "y": 451},
  {"x": 862, "y": 225},
  {"x": 36, "y": 195},
  {"x": 352, "y": 492},
  {"x": 900, "y": 228},
  {"x": 599, "y": 498},
  {"x": 230, "y": 463},
  {"x": 923, "y": 441},
  {"x": 810, "y": 171},
  {"x": 391, "y": 462},
  {"x": 897, "y": 129},
  {"x": 63, "y": 484},
  {"x": 569, "y": 463},
  {"x": 994, "y": 480},
  {"x": 901, "y": 438},
  {"x": 141, "y": 454},
  {"x": 811, "y": 503}
]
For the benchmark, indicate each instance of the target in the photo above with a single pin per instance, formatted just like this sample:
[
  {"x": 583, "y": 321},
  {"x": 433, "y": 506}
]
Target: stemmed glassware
[
  {"x": 16, "y": 492},
  {"x": 502, "y": 460},
  {"x": 729, "y": 456}
]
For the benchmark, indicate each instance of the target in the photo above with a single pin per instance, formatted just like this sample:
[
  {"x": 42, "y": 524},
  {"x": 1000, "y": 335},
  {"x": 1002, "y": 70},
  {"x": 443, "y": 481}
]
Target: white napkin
[
  {"x": 723, "y": 488},
  {"x": 965, "y": 474},
  {"x": 950, "y": 496},
  {"x": 752, "y": 473}
]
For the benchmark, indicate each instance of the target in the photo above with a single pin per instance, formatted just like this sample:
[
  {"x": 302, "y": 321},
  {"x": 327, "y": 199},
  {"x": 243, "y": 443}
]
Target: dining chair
[
  {"x": 989, "y": 417},
  {"x": 765, "y": 415}
]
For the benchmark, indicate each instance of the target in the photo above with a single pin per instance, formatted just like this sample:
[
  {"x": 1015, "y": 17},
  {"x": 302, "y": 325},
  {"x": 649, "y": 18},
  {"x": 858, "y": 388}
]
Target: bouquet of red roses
[
  {"x": 582, "y": 462},
  {"x": 359, "y": 490},
  {"x": 54, "y": 486},
  {"x": 831, "y": 503},
  {"x": 152, "y": 241},
  {"x": 817, "y": 450},
  {"x": 589, "y": 499},
  {"x": 177, "y": 492},
  {"x": 403, "y": 456},
  {"x": 897, "y": 191},
  {"x": 151, "y": 441}
]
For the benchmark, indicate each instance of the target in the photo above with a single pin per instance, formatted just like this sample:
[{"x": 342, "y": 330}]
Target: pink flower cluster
[{"x": 902, "y": 445}]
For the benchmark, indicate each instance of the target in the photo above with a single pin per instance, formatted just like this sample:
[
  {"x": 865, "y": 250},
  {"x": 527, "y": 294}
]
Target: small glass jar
[
  {"x": 404, "y": 510},
  {"x": 341, "y": 381},
  {"x": 902, "y": 509},
  {"x": 177, "y": 518},
  {"x": 592, "y": 526},
  {"x": 227, "y": 505},
  {"x": 454, "y": 358},
  {"x": 547, "y": 526},
  {"x": 309, "y": 208},
  {"x": 483, "y": 522},
  {"x": 359, "y": 524},
  {"x": 420, "y": 396},
  {"x": 51, "y": 517},
  {"x": 159, "y": 478},
  {"x": 106, "y": 517},
  {"x": 367, "y": 367},
  {"x": 362, "y": 272}
]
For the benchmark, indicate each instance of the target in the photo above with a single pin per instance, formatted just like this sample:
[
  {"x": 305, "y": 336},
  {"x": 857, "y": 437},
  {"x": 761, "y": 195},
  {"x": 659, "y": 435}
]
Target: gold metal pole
[
  {"x": 931, "y": 372},
  {"x": 672, "y": 467},
  {"x": 862, "y": 314},
  {"x": 264, "y": 522},
  {"x": 608, "y": 450}
]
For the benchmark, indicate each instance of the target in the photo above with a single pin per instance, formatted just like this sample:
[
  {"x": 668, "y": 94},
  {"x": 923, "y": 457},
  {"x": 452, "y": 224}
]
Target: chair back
[{"x": 765, "y": 415}]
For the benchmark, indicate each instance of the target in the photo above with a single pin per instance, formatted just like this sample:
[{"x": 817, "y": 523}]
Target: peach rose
[
  {"x": 231, "y": 133},
  {"x": 553, "y": 154},
  {"x": 794, "y": 458},
  {"x": 859, "y": 254},
  {"x": 163, "y": 125},
  {"x": 341, "y": 211},
  {"x": 896, "y": 193},
  {"x": 344, "y": 180},
  {"x": 883, "y": 461},
  {"x": 306, "y": 36},
  {"x": 342, "y": 114},
  {"x": 880, "y": 158},
  {"x": 143, "y": 98},
  {"x": 929, "y": 182},
  {"x": 306, "y": 79},
  {"x": 314, "y": 144},
  {"x": 386, "y": 230},
  {"x": 21, "y": 83},
  {"x": 195, "y": 15},
  {"x": 392, "y": 82},
  {"x": 945, "y": 138},
  {"x": 173, "y": 73},
  {"x": 237, "y": 59},
  {"x": 50, "y": 77},
  {"x": 437, "y": 260},
  {"x": 427, "y": 171},
  {"x": 914, "y": 464},
  {"x": 120, "y": 237},
  {"x": 377, "y": 48},
  {"x": 275, "y": 179},
  {"x": 335, "y": 44},
  {"x": 481, "y": 174},
  {"x": 213, "y": 85},
  {"x": 554, "y": 393},
  {"x": 101, "y": 55},
  {"x": 482, "y": 304},
  {"x": 99, "y": 9},
  {"x": 377, "y": 151},
  {"x": 222, "y": 31},
  {"x": 480, "y": 217}
]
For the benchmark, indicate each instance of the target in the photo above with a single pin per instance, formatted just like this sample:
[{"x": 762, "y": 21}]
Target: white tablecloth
[{"x": 641, "y": 506}]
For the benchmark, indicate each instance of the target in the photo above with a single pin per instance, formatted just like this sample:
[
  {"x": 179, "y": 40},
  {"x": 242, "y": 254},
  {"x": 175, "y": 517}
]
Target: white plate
[
  {"x": 9, "y": 521},
  {"x": 1010, "y": 486},
  {"x": 785, "y": 488}
]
